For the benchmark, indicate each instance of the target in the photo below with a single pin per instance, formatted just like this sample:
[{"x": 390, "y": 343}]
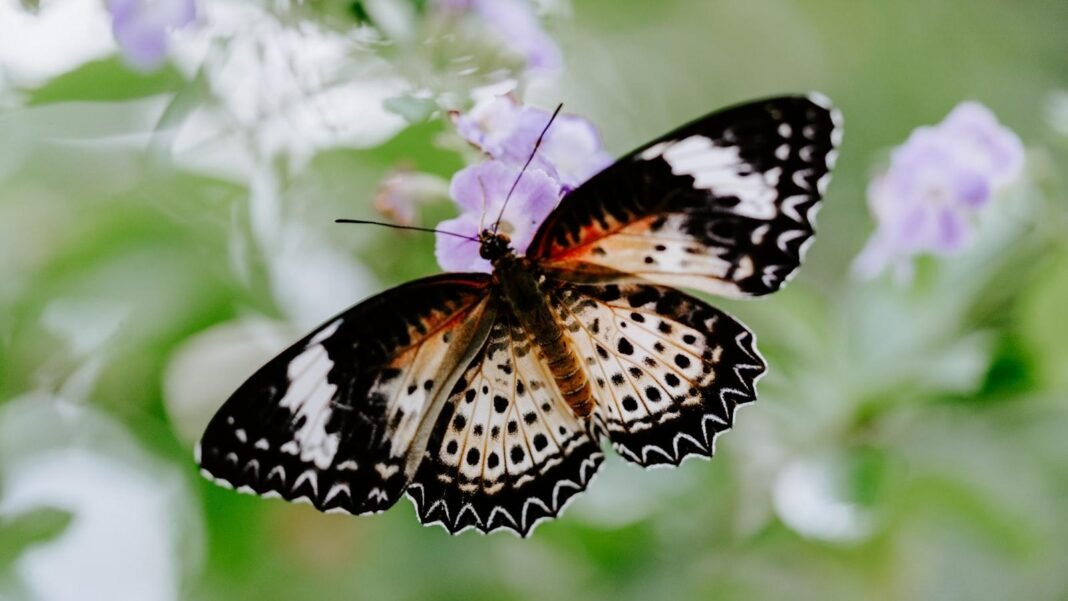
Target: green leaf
[
  {"x": 1043, "y": 327},
  {"x": 30, "y": 528},
  {"x": 107, "y": 80}
]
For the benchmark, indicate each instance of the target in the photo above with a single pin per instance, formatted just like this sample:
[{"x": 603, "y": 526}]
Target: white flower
[
  {"x": 58, "y": 37},
  {"x": 282, "y": 91}
]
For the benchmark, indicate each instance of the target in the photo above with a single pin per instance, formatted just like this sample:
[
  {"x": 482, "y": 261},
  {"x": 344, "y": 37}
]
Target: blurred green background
[{"x": 911, "y": 440}]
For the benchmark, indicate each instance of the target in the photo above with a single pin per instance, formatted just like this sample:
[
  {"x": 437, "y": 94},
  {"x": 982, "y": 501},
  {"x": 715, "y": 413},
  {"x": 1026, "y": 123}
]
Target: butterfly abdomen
[
  {"x": 530, "y": 304},
  {"x": 567, "y": 372}
]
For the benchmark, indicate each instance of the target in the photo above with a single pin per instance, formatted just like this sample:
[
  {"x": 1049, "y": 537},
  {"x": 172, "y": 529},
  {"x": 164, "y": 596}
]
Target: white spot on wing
[
  {"x": 759, "y": 233},
  {"x": 821, "y": 100},
  {"x": 654, "y": 151},
  {"x": 718, "y": 168},
  {"x": 309, "y": 397},
  {"x": 325, "y": 333},
  {"x": 386, "y": 471},
  {"x": 790, "y": 204},
  {"x": 335, "y": 490},
  {"x": 745, "y": 268}
]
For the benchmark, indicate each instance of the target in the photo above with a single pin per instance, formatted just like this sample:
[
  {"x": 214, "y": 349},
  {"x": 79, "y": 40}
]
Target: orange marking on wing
[
  {"x": 593, "y": 236},
  {"x": 456, "y": 318}
]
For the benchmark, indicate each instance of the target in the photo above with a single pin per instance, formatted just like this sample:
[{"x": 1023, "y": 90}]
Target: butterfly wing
[
  {"x": 724, "y": 204},
  {"x": 507, "y": 451},
  {"x": 340, "y": 418},
  {"x": 668, "y": 370}
]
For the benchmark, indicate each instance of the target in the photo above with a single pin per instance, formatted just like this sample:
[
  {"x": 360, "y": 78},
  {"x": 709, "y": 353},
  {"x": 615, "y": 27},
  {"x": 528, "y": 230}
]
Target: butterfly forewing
[
  {"x": 335, "y": 419},
  {"x": 724, "y": 204},
  {"x": 507, "y": 452},
  {"x": 668, "y": 370}
]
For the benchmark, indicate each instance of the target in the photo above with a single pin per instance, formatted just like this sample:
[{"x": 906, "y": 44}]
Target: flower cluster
[
  {"x": 929, "y": 197},
  {"x": 507, "y": 132}
]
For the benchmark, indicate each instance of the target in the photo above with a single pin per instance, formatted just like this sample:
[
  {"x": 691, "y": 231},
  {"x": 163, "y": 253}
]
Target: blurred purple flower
[
  {"x": 141, "y": 27},
  {"x": 403, "y": 192},
  {"x": 480, "y": 191},
  {"x": 516, "y": 24},
  {"x": 507, "y": 131},
  {"x": 983, "y": 143},
  {"x": 489, "y": 123},
  {"x": 935, "y": 186}
]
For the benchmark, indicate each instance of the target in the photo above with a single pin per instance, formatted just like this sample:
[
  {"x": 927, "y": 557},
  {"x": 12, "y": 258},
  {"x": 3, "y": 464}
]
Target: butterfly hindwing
[
  {"x": 724, "y": 204},
  {"x": 332, "y": 419},
  {"x": 507, "y": 452},
  {"x": 668, "y": 370}
]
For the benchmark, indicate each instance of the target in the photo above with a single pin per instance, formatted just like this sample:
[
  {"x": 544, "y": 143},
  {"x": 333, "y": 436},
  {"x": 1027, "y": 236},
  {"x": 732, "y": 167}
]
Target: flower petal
[
  {"x": 141, "y": 28},
  {"x": 489, "y": 123},
  {"x": 480, "y": 188},
  {"x": 985, "y": 143},
  {"x": 972, "y": 189},
  {"x": 571, "y": 145},
  {"x": 571, "y": 151},
  {"x": 953, "y": 232},
  {"x": 535, "y": 196},
  {"x": 517, "y": 24},
  {"x": 481, "y": 191},
  {"x": 459, "y": 254}
]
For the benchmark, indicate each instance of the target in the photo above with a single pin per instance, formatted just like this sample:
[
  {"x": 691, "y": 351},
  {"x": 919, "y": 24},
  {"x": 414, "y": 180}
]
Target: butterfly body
[
  {"x": 487, "y": 397},
  {"x": 518, "y": 281}
]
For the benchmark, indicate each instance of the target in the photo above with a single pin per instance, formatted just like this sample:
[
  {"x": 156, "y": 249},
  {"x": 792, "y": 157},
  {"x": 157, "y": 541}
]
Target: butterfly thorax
[{"x": 520, "y": 283}]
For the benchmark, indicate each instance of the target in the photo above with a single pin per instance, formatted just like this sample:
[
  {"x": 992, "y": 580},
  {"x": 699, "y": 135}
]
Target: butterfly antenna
[
  {"x": 413, "y": 228},
  {"x": 537, "y": 144}
]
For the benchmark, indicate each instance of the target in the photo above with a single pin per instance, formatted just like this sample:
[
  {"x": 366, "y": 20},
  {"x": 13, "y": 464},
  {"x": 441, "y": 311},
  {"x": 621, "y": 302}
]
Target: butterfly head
[{"x": 494, "y": 245}]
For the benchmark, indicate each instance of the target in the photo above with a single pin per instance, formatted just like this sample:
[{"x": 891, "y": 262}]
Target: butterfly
[{"x": 487, "y": 398}]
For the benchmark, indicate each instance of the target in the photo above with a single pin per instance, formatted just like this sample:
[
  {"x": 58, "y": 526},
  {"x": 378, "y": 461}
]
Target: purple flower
[
  {"x": 571, "y": 151},
  {"x": 930, "y": 196},
  {"x": 141, "y": 27},
  {"x": 480, "y": 191},
  {"x": 517, "y": 25},
  {"x": 507, "y": 131},
  {"x": 982, "y": 142},
  {"x": 489, "y": 123}
]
